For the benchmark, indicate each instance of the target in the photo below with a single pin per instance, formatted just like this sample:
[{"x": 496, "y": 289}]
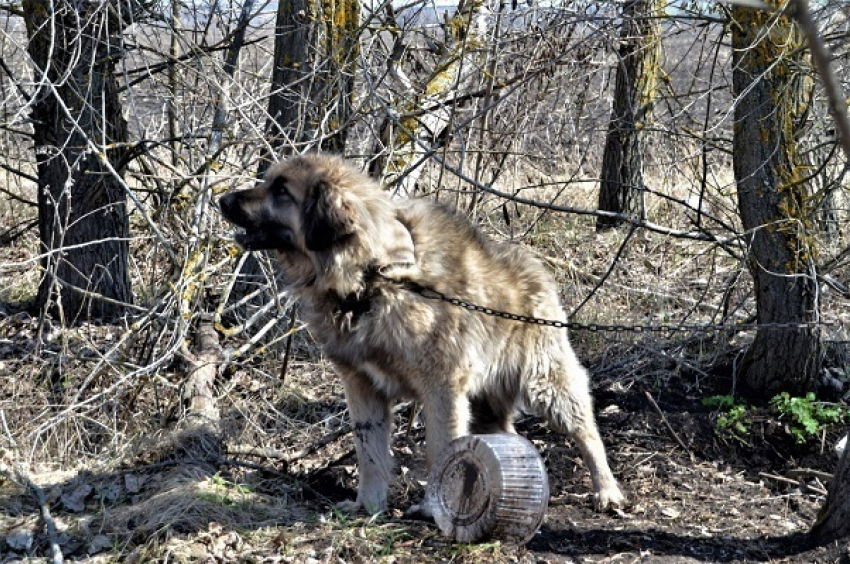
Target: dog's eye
[{"x": 278, "y": 188}]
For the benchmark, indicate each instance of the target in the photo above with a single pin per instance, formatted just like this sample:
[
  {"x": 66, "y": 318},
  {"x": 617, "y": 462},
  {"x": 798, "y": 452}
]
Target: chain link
[{"x": 432, "y": 294}]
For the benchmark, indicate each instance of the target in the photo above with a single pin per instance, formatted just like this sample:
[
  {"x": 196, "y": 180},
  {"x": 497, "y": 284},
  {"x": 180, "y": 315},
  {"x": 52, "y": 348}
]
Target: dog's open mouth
[{"x": 266, "y": 239}]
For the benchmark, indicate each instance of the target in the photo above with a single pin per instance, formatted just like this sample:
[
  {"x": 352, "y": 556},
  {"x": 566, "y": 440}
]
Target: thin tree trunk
[
  {"x": 774, "y": 204},
  {"x": 341, "y": 27},
  {"x": 312, "y": 85},
  {"x": 199, "y": 388},
  {"x": 408, "y": 140},
  {"x": 198, "y": 391},
  {"x": 833, "y": 522},
  {"x": 78, "y": 130},
  {"x": 289, "y": 79},
  {"x": 621, "y": 189},
  {"x": 174, "y": 82}
]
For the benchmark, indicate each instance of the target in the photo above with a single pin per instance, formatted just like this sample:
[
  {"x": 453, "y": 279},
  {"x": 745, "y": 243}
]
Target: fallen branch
[
  {"x": 777, "y": 478},
  {"x": 16, "y": 231},
  {"x": 667, "y": 424},
  {"x": 790, "y": 481},
  {"x": 290, "y": 457},
  {"x": 18, "y": 475},
  {"x": 804, "y": 472}
]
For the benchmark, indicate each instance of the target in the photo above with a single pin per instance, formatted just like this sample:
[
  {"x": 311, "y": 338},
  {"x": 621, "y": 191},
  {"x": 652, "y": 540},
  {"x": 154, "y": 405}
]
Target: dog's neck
[{"x": 359, "y": 302}]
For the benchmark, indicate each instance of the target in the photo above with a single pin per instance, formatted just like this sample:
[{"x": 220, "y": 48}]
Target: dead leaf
[
  {"x": 20, "y": 539},
  {"x": 76, "y": 500},
  {"x": 670, "y": 512}
]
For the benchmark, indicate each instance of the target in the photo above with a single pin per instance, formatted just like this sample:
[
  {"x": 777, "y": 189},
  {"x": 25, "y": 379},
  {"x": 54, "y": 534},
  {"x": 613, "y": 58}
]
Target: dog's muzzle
[{"x": 261, "y": 234}]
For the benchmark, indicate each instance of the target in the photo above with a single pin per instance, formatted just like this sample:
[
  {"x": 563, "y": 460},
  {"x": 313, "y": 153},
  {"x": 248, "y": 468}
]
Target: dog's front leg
[
  {"x": 447, "y": 417},
  {"x": 369, "y": 409}
]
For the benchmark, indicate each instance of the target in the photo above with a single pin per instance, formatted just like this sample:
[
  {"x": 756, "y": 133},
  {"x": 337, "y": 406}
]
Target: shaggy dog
[{"x": 365, "y": 268}]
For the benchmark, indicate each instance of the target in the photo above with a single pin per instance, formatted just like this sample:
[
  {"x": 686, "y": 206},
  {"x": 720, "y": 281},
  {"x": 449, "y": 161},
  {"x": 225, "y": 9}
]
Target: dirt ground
[
  {"x": 189, "y": 496},
  {"x": 716, "y": 502}
]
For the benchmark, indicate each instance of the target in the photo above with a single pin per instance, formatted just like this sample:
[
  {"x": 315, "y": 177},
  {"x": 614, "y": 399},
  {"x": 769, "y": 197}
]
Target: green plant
[
  {"x": 808, "y": 416},
  {"x": 733, "y": 419},
  {"x": 393, "y": 536}
]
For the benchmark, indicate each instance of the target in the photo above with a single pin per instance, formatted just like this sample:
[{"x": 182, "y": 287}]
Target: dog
[{"x": 367, "y": 269}]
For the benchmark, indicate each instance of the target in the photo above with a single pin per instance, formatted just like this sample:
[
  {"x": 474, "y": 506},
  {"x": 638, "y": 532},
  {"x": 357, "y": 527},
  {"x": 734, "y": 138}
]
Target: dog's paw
[
  {"x": 349, "y": 507},
  {"x": 420, "y": 512},
  {"x": 609, "y": 499}
]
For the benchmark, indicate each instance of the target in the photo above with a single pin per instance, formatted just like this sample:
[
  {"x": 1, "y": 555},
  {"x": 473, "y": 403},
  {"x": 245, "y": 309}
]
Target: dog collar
[{"x": 360, "y": 303}]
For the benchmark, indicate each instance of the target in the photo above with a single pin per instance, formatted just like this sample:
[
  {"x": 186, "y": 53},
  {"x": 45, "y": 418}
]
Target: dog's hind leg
[
  {"x": 491, "y": 416},
  {"x": 369, "y": 409},
  {"x": 563, "y": 398}
]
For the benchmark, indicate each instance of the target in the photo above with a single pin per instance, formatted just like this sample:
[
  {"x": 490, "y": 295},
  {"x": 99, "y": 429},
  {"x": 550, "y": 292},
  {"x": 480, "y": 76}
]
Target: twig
[
  {"x": 16, "y": 231},
  {"x": 290, "y": 335},
  {"x": 302, "y": 485},
  {"x": 802, "y": 485},
  {"x": 822, "y": 59},
  {"x": 290, "y": 457},
  {"x": 667, "y": 424},
  {"x": 777, "y": 478},
  {"x": 49, "y": 523},
  {"x": 604, "y": 277},
  {"x": 803, "y": 472},
  {"x": 19, "y": 476},
  {"x": 625, "y": 218},
  {"x": 6, "y": 428}
]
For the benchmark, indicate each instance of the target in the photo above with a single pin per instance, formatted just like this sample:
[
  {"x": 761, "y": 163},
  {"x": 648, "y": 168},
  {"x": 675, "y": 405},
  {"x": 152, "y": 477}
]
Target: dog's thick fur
[{"x": 355, "y": 258}]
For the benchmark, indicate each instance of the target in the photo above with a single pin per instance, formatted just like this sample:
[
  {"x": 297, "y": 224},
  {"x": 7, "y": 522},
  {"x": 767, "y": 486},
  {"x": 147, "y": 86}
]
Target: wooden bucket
[{"x": 489, "y": 487}]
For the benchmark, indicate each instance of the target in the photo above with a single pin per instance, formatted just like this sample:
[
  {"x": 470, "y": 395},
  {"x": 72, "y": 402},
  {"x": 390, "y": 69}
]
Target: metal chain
[{"x": 432, "y": 294}]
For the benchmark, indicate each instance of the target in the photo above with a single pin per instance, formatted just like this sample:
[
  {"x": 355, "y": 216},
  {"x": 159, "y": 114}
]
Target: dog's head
[
  {"x": 299, "y": 206},
  {"x": 321, "y": 209}
]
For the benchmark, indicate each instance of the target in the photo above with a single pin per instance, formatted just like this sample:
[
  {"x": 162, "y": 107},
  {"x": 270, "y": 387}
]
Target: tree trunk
[
  {"x": 78, "y": 131},
  {"x": 621, "y": 189},
  {"x": 199, "y": 398},
  {"x": 341, "y": 19},
  {"x": 406, "y": 142},
  {"x": 312, "y": 87},
  {"x": 774, "y": 204},
  {"x": 289, "y": 82},
  {"x": 833, "y": 522}
]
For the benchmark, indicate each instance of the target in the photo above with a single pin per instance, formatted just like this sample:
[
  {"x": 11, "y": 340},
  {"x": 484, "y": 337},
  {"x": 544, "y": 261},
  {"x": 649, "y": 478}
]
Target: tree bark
[
  {"x": 833, "y": 522},
  {"x": 312, "y": 86},
  {"x": 341, "y": 19},
  {"x": 406, "y": 142},
  {"x": 774, "y": 203},
  {"x": 289, "y": 81},
  {"x": 78, "y": 131},
  {"x": 199, "y": 396},
  {"x": 621, "y": 189}
]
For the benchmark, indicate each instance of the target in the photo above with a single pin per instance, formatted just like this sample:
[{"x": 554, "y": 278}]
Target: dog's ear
[
  {"x": 397, "y": 257},
  {"x": 327, "y": 218}
]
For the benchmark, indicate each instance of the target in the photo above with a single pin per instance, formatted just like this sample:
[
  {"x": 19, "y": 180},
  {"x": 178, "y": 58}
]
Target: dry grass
[
  {"x": 127, "y": 487},
  {"x": 93, "y": 414}
]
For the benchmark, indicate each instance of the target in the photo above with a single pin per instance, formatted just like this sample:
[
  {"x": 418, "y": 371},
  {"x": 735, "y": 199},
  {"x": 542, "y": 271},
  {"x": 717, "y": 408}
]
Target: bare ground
[
  {"x": 128, "y": 478},
  {"x": 190, "y": 496}
]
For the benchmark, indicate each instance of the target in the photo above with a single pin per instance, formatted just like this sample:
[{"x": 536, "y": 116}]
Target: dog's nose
[
  {"x": 225, "y": 201},
  {"x": 233, "y": 210},
  {"x": 227, "y": 205}
]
